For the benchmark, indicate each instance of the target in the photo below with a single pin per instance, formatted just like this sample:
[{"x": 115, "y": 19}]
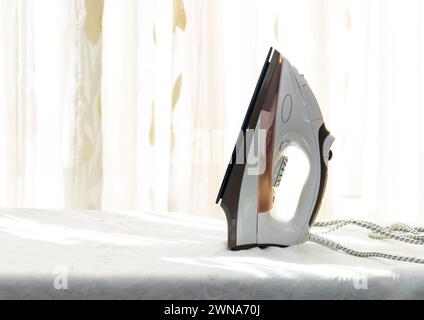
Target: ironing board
[{"x": 140, "y": 255}]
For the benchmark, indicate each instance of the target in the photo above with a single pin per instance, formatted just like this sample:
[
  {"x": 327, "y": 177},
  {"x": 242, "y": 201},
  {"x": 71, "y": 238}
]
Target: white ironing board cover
[{"x": 141, "y": 255}]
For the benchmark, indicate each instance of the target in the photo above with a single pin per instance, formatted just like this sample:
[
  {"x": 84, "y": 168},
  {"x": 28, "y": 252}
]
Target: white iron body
[{"x": 294, "y": 119}]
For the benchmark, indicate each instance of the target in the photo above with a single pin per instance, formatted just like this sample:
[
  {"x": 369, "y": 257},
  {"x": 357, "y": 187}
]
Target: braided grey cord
[{"x": 397, "y": 231}]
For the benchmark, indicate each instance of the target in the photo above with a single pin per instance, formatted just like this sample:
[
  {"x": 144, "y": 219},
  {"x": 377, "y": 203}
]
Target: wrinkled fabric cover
[{"x": 137, "y": 255}]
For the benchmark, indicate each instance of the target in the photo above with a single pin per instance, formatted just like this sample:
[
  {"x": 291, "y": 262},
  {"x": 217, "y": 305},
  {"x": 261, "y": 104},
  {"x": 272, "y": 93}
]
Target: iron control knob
[{"x": 326, "y": 148}]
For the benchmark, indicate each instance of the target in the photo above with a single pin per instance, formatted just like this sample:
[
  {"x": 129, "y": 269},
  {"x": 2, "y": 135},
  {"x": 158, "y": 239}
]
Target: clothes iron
[{"x": 283, "y": 111}]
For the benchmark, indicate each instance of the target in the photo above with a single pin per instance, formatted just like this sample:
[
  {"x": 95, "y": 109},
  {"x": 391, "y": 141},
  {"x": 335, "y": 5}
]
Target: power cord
[{"x": 397, "y": 231}]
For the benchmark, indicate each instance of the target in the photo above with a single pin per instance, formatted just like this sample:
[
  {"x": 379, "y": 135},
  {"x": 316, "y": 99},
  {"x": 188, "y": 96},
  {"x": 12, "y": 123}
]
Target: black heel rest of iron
[
  {"x": 245, "y": 124},
  {"x": 231, "y": 184}
]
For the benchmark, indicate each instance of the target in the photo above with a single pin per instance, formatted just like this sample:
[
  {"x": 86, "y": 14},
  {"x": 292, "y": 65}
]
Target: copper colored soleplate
[{"x": 268, "y": 118}]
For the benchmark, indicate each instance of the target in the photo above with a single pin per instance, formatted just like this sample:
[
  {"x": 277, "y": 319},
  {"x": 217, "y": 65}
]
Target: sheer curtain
[
  {"x": 135, "y": 105},
  {"x": 50, "y": 125}
]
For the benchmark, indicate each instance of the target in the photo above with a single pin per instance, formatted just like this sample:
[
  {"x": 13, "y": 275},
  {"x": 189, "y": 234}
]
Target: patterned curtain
[
  {"x": 50, "y": 104},
  {"x": 135, "y": 105}
]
